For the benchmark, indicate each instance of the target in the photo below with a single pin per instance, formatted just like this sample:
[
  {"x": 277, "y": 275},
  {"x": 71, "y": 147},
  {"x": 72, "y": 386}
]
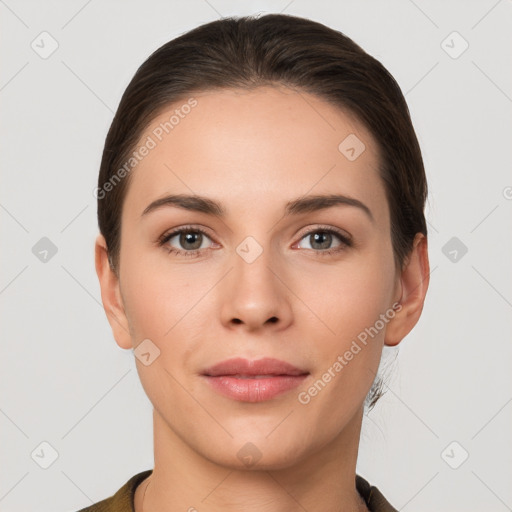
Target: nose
[{"x": 254, "y": 295}]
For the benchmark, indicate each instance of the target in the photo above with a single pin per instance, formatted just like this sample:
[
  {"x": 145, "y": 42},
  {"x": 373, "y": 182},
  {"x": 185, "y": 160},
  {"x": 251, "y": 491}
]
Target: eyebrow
[{"x": 297, "y": 206}]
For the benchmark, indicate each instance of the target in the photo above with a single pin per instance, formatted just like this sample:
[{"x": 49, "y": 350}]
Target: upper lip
[{"x": 265, "y": 366}]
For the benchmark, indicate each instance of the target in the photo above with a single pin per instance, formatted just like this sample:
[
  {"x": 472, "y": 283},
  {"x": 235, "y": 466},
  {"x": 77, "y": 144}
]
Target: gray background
[{"x": 65, "y": 382}]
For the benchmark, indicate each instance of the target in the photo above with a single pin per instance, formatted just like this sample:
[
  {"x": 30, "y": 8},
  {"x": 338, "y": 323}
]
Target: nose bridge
[
  {"x": 253, "y": 272},
  {"x": 254, "y": 293}
]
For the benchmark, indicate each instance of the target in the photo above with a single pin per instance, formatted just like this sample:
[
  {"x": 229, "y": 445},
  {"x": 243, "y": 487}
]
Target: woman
[{"x": 285, "y": 156}]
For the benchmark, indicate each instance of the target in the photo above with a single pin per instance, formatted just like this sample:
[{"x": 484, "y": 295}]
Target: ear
[
  {"x": 415, "y": 277},
  {"x": 111, "y": 295}
]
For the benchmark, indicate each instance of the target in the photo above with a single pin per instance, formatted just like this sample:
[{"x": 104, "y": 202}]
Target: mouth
[
  {"x": 266, "y": 367},
  {"x": 254, "y": 381}
]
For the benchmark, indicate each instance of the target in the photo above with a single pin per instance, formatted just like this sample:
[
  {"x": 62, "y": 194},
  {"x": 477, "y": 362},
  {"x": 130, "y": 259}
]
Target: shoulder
[
  {"x": 374, "y": 499},
  {"x": 122, "y": 500}
]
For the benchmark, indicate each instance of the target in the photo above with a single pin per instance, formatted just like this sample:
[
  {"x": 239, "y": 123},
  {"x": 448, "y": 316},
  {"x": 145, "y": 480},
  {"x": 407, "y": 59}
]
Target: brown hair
[{"x": 274, "y": 49}]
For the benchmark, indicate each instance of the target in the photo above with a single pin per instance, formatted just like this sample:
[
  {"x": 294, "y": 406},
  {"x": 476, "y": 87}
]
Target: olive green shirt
[{"x": 122, "y": 500}]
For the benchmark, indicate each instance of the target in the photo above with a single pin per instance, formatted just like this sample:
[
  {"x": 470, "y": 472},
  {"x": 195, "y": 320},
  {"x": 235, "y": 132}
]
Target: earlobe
[
  {"x": 415, "y": 277},
  {"x": 111, "y": 295}
]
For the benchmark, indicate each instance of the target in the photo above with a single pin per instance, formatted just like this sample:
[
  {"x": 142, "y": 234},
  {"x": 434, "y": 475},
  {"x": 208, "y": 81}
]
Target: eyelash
[
  {"x": 345, "y": 241},
  {"x": 187, "y": 229}
]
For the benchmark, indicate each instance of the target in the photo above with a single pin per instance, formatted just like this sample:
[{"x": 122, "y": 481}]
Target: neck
[{"x": 183, "y": 479}]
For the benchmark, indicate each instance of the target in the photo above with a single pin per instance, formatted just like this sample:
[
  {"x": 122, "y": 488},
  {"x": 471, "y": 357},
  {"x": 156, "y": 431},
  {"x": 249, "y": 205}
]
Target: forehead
[{"x": 244, "y": 146}]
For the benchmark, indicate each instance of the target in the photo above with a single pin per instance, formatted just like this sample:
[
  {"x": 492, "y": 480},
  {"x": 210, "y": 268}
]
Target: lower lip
[{"x": 254, "y": 390}]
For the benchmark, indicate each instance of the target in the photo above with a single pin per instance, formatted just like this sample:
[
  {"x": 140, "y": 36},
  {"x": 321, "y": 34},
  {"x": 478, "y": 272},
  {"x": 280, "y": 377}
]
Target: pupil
[
  {"x": 326, "y": 239},
  {"x": 187, "y": 238}
]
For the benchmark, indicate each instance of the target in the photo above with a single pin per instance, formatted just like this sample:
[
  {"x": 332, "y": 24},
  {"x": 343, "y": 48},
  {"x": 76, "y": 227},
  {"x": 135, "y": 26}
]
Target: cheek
[
  {"x": 347, "y": 355},
  {"x": 154, "y": 297},
  {"x": 166, "y": 304},
  {"x": 350, "y": 296},
  {"x": 158, "y": 304},
  {"x": 350, "y": 300},
  {"x": 160, "y": 307}
]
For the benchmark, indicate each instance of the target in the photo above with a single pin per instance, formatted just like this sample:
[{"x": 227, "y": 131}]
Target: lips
[
  {"x": 254, "y": 381},
  {"x": 252, "y": 369}
]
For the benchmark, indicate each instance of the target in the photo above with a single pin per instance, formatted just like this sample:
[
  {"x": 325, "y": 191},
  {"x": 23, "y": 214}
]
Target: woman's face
[{"x": 274, "y": 276}]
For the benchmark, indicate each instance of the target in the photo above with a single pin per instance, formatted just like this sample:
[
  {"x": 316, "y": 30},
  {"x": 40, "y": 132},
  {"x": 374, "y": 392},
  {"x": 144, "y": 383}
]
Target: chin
[{"x": 257, "y": 454}]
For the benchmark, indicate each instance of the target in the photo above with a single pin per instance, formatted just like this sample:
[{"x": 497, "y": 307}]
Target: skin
[{"x": 253, "y": 151}]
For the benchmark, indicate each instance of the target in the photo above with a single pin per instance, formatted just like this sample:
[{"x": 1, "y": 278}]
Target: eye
[
  {"x": 191, "y": 239},
  {"x": 321, "y": 240}
]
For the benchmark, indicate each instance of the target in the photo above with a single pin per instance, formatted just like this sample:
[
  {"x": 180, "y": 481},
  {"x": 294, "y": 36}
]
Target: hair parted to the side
[{"x": 274, "y": 49}]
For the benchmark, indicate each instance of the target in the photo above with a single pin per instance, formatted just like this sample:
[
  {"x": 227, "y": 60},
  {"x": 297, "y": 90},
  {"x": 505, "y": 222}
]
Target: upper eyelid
[
  {"x": 173, "y": 232},
  {"x": 322, "y": 227}
]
